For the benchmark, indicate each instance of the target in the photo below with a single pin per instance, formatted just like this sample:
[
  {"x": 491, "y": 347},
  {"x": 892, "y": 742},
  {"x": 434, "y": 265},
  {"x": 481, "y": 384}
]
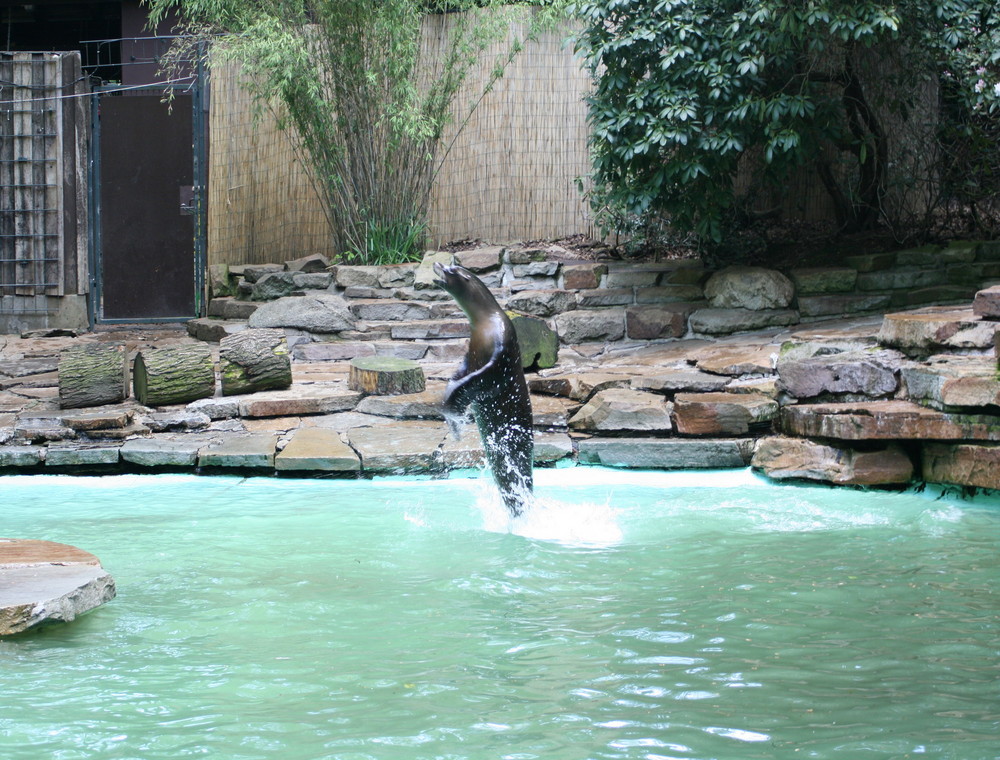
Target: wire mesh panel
[{"x": 31, "y": 242}]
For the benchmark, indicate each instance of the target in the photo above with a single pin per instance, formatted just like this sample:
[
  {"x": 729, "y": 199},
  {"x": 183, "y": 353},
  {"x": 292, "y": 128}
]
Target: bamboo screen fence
[{"x": 511, "y": 173}]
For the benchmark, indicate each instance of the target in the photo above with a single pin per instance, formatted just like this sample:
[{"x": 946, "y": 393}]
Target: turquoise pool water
[{"x": 629, "y": 615}]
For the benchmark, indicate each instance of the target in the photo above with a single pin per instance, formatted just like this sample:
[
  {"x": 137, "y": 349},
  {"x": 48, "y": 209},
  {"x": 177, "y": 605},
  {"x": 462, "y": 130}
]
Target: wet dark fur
[{"x": 490, "y": 383}]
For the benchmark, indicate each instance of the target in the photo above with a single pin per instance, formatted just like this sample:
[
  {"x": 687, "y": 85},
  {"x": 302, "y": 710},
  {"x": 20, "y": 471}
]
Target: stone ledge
[
  {"x": 962, "y": 464},
  {"x": 664, "y": 454},
  {"x": 44, "y": 581},
  {"x": 885, "y": 420}
]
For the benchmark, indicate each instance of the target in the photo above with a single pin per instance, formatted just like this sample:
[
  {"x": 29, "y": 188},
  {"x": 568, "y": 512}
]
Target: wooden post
[
  {"x": 174, "y": 375},
  {"x": 254, "y": 360},
  {"x": 385, "y": 376},
  {"x": 92, "y": 374}
]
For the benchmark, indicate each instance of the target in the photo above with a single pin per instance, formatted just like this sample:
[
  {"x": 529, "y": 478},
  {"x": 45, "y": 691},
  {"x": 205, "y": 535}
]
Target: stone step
[
  {"x": 394, "y": 310},
  {"x": 935, "y": 329},
  {"x": 722, "y": 414},
  {"x": 885, "y": 420},
  {"x": 952, "y": 383}
]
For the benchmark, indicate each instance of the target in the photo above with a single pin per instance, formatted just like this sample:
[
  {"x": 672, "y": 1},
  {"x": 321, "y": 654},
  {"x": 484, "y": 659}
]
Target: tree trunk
[
  {"x": 174, "y": 375},
  {"x": 93, "y": 374},
  {"x": 385, "y": 376},
  {"x": 254, "y": 360}
]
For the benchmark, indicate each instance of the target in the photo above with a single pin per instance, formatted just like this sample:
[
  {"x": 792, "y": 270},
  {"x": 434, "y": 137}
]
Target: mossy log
[
  {"x": 174, "y": 375},
  {"x": 254, "y": 360},
  {"x": 92, "y": 374},
  {"x": 385, "y": 376}
]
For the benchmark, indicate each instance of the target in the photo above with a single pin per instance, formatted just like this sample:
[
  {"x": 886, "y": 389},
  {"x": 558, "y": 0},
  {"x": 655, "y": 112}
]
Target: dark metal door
[{"x": 146, "y": 235}]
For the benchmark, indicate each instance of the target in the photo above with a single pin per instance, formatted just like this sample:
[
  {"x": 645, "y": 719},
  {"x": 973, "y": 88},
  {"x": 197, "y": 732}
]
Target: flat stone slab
[
  {"x": 44, "y": 581},
  {"x": 664, "y": 454},
  {"x": 623, "y": 409},
  {"x": 405, "y": 447},
  {"x": 721, "y": 413},
  {"x": 298, "y": 401},
  {"x": 950, "y": 382},
  {"x": 870, "y": 373},
  {"x": 931, "y": 330},
  {"x": 784, "y": 458},
  {"x": 255, "y": 450},
  {"x": 987, "y": 303},
  {"x": 728, "y": 321},
  {"x": 885, "y": 420},
  {"x": 425, "y": 405},
  {"x": 80, "y": 455},
  {"x": 737, "y": 359},
  {"x": 162, "y": 452},
  {"x": 317, "y": 449},
  {"x": 962, "y": 464}
]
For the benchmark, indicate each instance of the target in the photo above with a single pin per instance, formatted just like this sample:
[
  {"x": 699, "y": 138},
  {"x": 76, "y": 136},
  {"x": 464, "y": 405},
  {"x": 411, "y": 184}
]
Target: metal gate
[{"x": 148, "y": 206}]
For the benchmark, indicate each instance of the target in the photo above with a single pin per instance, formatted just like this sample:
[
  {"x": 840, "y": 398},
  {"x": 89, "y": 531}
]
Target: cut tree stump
[
  {"x": 254, "y": 360},
  {"x": 93, "y": 374},
  {"x": 174, "y": 375},
  {"x": 385, "y": 376}
]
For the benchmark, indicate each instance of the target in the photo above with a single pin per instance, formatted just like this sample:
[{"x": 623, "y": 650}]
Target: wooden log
[
  {"x": 92, "y": 374},
  {"x": 174, "y": 375},
  {"x": 385, "y": 376},
  {"x": 254, "y": 360}
]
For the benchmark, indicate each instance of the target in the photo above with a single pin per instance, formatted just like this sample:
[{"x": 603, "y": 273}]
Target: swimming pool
[{"x": 627, "y": 615}]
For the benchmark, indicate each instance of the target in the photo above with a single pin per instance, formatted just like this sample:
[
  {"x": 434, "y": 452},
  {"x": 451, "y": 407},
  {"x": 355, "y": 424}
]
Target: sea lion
[{"x": 490, "y": 383}]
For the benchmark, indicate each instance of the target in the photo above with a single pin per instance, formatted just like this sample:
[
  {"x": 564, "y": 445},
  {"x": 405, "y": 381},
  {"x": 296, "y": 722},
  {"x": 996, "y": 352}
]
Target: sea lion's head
[{"x": 467, "y": 289}]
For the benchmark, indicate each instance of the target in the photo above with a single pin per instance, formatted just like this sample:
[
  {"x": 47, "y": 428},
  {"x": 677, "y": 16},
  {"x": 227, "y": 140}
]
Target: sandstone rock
[
  {"x": 404, "y": 447},
  {"x": 315, "y": 262},
  {"x": 963, "y": 464},
  {"x": 737, "y": 360},
  {"x": 21, "y": 456},
  {"x": 424, "y": 276},
  {"x": 216, "y": 408},
  {"x": 317, "y": 449},
  {"x": 669, "y": 294},
  {"x": 909, "y": 298},
  {"x": 927, "y": 331},
  {"x": 213, "y": 330},
  {"x": 332, "y": 351},
  {"x": 431, "y": 329},
  {"x": 253, "y": 272},
  {"x": 44, "y": 582},
  {"x": 349, "y": 276},
  {"x": 885, "y": 420},
  {"x": 809, "y": 281},
  {"x": 391, "y": 310},
  {"x": 582, "y": 276},
  {"x": 535, "y": 269},
  {"x": 602, "y": 297},
  {"x": 577, "y": 386},
  {"x": 480, "y": 260},
  {"x": 870, "y": 373},
  {"x": 655, "y": 322},
  {"x": 666, "y": 454},
  {"x": 550, "y": 412},
  {"x": 324, "y": 313},
  {"x": 542, "y": 303},
  {"x": 729, "y": 321},
  {"x": 220, "y": 281},
  {"x": 464, "y": 452},
  {"x": 236, "y": 310},
  {"x": 396, "y": 275},
  {"x": 784, "y": 458},
  {"x": 895, "y": 279},
  {"x": 583, "y": 326},
  {"x": 949, "y": 382},
  {"x": 42, "y": 429},
  {"x": 162, "y": 452},
  {"x": 538, "y": 343},
  {"x": 672, "y": 381},
  {"x": 80, "y": 455},
  {"x": 297, "y": 401},
  {"x": 752, "y": 288},
  {"x": 621, "y": 409},
  {"x": 987, "y": 303},
  {"x": 424, "y": 405},
  {"x": 843, "y": 303},
  {"x": 721, "y": 413},
  {"x": 109, "y": 417},
  {"x": 182, "y": 419},
  {"x": 551, "y": 447},
  {"x": 253, "y": 451},
  {"x": 631, "y": 276}
]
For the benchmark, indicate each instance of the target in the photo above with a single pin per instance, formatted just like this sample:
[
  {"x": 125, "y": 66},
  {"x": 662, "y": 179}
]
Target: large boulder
[
  {"x": 797, "y": 458},
  {"x": 321, "y": 313},
  {"x": 754, "y": 288}
]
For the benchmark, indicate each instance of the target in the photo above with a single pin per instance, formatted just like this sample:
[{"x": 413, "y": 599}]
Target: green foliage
[
  {"x": 688, "y": 90},
  {"x": 366, "y": 99}
]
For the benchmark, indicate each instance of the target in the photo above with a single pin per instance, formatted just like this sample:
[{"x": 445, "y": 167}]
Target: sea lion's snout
[{"x": 447, "y": 275}]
